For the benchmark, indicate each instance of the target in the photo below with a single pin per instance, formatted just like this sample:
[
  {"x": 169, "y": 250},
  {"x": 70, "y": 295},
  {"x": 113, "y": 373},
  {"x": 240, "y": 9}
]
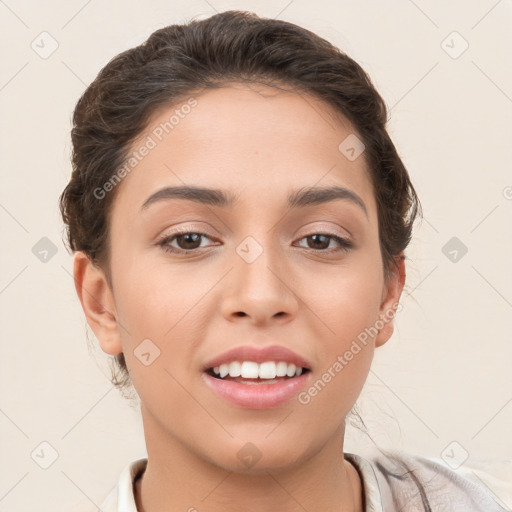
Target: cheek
[
  {"x": 348, "y": 309},
  {"x": 151, "y": 298},
  {"x": 345, "y": 299},
  {"x": 160, "y": 313}
]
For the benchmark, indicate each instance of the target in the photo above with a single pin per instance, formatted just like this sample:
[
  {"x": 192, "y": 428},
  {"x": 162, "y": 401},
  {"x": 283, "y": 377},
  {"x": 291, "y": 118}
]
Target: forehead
[{"x": 256, "y": 141}]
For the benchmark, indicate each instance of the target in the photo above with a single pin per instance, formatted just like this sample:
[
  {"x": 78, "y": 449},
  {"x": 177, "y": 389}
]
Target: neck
[{"x": 176, "y": 478}]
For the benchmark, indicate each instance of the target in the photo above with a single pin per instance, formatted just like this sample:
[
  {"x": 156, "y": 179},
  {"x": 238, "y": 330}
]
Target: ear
[
  {"x": 391, "y": 293},
  {"x": 97, "y": 302}
]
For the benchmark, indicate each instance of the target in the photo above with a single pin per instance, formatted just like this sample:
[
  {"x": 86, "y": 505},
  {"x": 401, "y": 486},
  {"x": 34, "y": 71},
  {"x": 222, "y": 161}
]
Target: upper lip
[{"x": 258, "y": 355}]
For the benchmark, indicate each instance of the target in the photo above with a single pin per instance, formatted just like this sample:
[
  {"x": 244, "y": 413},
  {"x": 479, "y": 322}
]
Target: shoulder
[{"x": 414, "y": 482}]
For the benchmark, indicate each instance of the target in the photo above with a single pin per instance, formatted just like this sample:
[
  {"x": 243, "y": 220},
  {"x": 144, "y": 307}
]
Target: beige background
[{"x": 443, "y": 377}]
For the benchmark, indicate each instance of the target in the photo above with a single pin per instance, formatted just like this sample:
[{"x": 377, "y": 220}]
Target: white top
[{"x": 410, "y": 483}]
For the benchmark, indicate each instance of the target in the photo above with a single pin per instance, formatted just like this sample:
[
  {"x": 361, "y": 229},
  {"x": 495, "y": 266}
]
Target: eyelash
[{"x": 164, "y": 242}]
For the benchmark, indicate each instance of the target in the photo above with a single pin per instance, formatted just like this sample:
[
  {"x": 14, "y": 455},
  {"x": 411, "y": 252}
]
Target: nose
[{"x": 259, "y": 291}]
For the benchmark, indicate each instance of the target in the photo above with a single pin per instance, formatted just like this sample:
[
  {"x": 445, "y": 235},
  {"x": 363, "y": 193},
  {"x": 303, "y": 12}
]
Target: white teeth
[
  {"x": 224, "y": 370},
  {"x": 251, "y": 370},
  {"x": 267, "y": 370},
  {"x": 291, "y": 370},
  {"x": 281, "y": 369},
  {"x": 235, "y": 369}
]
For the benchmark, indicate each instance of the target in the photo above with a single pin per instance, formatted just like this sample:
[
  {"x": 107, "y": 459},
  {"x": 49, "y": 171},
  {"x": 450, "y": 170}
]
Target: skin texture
[{"x": 311, "y": 297}]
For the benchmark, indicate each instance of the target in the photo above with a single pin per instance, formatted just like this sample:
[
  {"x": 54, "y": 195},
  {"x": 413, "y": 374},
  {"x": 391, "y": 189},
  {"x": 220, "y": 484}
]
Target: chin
[{"x": 259, "y": 457}]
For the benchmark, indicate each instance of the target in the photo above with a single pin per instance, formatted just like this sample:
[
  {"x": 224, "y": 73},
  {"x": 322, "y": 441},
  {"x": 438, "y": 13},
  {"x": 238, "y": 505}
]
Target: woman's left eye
[
  {"x": 189, "y": 240},
  {"x": 320, "y": 238}
]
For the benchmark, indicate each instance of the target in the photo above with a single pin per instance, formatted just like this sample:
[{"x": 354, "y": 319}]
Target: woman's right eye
[{"x": 188, "y": 239}]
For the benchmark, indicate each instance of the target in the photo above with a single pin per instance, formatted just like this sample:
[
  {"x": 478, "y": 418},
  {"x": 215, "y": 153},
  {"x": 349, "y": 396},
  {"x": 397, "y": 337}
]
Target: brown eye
[
  {"x": 322, "y": 241},
  {"x": 319, "y": 241},
  {"x": 187, "y": 241}
]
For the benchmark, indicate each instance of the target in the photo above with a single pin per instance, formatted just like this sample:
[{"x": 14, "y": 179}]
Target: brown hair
[{"x": 232, "y": 46}]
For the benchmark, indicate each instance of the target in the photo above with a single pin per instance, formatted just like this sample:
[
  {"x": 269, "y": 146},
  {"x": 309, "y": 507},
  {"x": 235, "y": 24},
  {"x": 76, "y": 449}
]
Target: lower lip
[{"x": 257, "y": 396}]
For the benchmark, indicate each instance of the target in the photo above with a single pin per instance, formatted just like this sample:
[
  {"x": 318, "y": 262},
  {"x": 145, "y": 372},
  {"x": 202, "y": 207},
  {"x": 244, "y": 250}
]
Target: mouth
[
  {"x": 253, "y": 373},
  {"x": 252, "y": 385}
]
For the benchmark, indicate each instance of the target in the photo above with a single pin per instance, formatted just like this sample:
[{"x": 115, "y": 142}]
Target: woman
[{"x": 239, "y": 216}]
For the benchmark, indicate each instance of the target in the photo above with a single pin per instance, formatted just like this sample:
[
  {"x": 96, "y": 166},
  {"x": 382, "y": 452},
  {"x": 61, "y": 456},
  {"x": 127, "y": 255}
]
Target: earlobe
[
  {"x": 390, "y": 299},
  {"x": 97, "y": 302}
]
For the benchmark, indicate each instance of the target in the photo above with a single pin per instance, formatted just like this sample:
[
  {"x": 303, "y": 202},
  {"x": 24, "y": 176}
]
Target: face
[{"x": 193, "y": 279}]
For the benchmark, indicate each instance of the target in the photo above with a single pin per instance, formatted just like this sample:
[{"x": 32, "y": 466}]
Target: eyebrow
[{"x": 215, "y": 197}]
